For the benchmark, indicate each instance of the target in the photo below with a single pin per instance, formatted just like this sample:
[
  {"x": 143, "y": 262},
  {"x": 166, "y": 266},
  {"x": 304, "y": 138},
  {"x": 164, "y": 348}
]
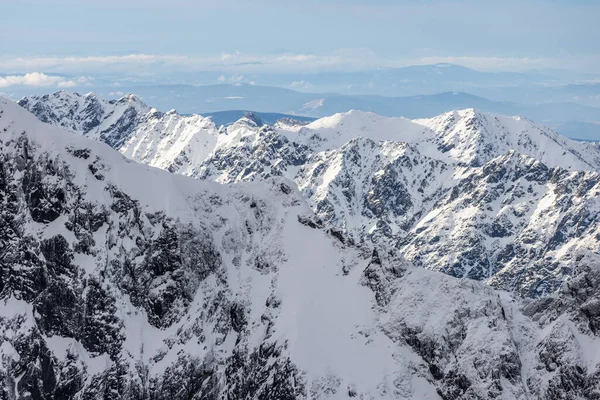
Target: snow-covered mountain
[
  {"x": 138, "y": 131},
  {"x": 469, "y": 197},
  {"x": 472, "y": 194},
  {"x": 119, "y": 280},
  {"x": 109, "y": 121}
]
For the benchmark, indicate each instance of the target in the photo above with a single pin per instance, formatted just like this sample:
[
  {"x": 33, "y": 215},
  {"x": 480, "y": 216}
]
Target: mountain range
[
  {"x": 566, "y": 114},
  {"x": 565, "y": 101},
  {"x": 120, "y": 280},
  {"x": 493, "y": 198},
  {"x": 531, "y": 87}
]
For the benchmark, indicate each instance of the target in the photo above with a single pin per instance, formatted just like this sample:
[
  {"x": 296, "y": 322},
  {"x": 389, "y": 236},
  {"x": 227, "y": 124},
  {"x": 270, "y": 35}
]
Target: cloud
[
  {"x": 298, "y": 83},
  {"x": 234, "y": 64},
  {"x": 39, "y": 79},
  {"x": 297, "y": 58},
  {"x": 229, "y": 56},
  {"x": 91, "y": 62},
  {"x": 32, "y": 79},
  {"x": 235, "y": 79}
]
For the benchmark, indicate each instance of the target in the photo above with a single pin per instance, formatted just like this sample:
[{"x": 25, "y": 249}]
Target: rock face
[{"x": 122, "y": 281}]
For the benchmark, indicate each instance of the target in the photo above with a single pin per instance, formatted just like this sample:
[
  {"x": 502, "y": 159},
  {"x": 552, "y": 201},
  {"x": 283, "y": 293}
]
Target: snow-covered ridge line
[
  {"x": 127, "y": 124},
  {"x": 464, "y": 136},
  {"x": 452, "y": 193}
]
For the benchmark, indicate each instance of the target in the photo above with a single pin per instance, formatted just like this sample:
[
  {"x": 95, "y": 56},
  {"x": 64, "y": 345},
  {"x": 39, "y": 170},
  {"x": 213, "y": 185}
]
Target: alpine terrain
[
  {"x": 122, "y": 281},
  {"x": 471, "y": 194}
]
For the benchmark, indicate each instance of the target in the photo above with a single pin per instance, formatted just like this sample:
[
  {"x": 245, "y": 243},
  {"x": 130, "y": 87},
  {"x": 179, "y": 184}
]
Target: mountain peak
[
  {"x": 253, "y": 118},
  {"x": 131, "y": 98},
  {"x": 62, "y": 92}
]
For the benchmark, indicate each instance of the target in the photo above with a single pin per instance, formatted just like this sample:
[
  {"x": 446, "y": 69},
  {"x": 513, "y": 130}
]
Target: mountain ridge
[
  {"x": 131, "y": 282},
  {"x": 407, "y": 183}
]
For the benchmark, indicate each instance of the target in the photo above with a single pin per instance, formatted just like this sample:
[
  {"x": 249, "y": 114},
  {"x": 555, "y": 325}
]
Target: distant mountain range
[
  {"x": 532, "y": 87},
  {"x": 566, "y": 101},
  {"x": 215, "y": 98}
]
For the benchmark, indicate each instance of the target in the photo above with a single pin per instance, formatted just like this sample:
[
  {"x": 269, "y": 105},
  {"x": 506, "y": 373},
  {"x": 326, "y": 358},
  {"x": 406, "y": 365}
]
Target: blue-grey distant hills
[
  {"x": 531, "y": 87},
  {"x": 187, "y": 99},
  {"x": 539, "y": 85},
  {"x": 564, "y": 100}
]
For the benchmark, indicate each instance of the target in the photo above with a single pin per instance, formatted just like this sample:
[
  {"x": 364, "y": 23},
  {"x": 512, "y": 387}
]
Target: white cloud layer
[
  {"x": 237, "y": 63},
  {"x": 38, "y": 79}
]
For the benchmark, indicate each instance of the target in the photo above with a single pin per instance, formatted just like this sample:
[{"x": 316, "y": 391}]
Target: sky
[{"x": 154, "y": 37}]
